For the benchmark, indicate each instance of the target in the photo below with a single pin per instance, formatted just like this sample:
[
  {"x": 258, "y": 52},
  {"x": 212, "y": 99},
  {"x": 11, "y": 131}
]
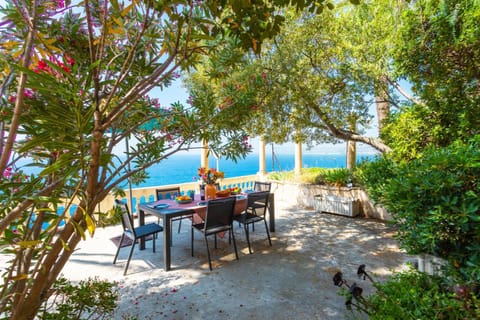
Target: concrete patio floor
[{"x": 290, "y": 280}]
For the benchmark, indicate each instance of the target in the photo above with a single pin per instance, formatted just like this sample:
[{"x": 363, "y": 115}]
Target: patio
[{"x": 290, "y": 280}]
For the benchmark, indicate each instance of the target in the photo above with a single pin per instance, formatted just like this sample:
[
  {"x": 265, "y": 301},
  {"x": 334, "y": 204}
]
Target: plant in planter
[{"x": 338, "y": 177}]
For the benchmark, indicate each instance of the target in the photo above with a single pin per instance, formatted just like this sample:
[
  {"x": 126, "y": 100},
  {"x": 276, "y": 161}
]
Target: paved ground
[{"x": 290, "y": 280}]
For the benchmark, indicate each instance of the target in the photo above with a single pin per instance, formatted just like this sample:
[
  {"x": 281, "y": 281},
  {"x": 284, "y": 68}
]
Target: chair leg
[
  {"x": 180, "y": 225},
  {"x": 118, "y": 249},
  {"x": 245, "y": 227},
  {"x": 268, "y": 233},
  {"x": 215, "y": 236},
  {"x": 153, "y": 241},
  {"x": 191, "y": 237},
  {"x": 208, "y": 254},
  {"x": 234, "y": 242},
  {"x": 129, "y": 256}
]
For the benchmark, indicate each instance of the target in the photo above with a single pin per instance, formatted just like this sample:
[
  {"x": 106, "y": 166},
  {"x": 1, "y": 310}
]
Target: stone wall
[{"x": 303, "y": 194}]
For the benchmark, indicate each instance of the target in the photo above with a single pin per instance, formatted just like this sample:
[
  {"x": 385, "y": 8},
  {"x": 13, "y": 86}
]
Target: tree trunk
[
  {"x": 381, "y": 100},
  {"x": 352, "y": 148}
]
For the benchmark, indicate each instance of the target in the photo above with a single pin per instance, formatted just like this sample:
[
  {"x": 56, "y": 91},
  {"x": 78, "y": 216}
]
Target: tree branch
[{"x": 404, "y": 93}]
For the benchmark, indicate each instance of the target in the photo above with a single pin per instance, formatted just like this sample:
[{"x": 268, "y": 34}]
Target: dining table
[{"x": 168, "y": 209}]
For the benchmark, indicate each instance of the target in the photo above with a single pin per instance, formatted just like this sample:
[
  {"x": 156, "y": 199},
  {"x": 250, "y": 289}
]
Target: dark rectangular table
[{"x": 167, "y": 214}]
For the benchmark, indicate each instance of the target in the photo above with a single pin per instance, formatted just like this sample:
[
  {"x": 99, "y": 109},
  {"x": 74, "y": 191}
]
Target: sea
[{"x": 183, "y": 168}]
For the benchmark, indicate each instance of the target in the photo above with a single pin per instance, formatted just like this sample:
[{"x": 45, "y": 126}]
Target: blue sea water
[{"x": 183, "y": 168}]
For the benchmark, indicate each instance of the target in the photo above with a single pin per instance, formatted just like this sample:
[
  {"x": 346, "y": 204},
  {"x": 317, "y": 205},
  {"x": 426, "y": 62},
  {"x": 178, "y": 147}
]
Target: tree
[
  {"x": 75, "y": 84},
  {"x": 437, "y": 51},
  {"x": 318, "y": 77}
]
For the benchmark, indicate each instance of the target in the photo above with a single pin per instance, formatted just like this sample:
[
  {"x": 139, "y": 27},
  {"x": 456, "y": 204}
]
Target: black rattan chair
[
  {"x": 219, "y": 218},
  {"x": 257, "y": 205},
  {"x": 133, "y": 233}
]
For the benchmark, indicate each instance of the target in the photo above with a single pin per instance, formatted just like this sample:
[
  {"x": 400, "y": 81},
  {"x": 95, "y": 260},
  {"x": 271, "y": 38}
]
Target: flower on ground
[{"x": 210, "y": 176}]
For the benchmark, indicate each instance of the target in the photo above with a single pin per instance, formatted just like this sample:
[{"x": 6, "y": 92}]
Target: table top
[{"x": 172, "y": 207}]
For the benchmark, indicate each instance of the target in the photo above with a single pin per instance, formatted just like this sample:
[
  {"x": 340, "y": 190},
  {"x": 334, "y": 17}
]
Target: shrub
[
  {"x": 410, "y": 295},
  {"x": 375, "y": 176},
  {"x": 436, "y": 203},
  {"x": 89, "y": 299},
  {"x": 334, "y": 177}
]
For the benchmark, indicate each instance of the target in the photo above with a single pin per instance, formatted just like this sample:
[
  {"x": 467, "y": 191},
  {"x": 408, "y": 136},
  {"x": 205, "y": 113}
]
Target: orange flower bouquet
[{"x": 210, "y": 176}]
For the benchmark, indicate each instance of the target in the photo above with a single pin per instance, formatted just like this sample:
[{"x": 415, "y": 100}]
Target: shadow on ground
[{"x": 290, "y": 280}]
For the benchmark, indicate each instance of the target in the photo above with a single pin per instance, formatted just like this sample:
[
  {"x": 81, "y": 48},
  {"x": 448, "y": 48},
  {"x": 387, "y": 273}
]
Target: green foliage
[
  {"x": 407, "y": 133},
  {"x": 307, "y": 175},
  {"x": 375, "y": 176},
  {"x": 416, "y": 295},
  {"x": 111, "y": 217},
  {"x": 411, "y": 294},
  {"x": 89, "y": 299},
  {"x": 436, "y": 204},
  {"x": 438, "y": 51},
  {"x": 332, "y": 176},
  {"x": 338, "y": 177}
]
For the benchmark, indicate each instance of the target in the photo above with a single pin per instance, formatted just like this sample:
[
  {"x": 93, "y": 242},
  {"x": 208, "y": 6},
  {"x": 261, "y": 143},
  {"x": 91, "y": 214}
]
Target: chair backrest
[
  {"x": 127, "y": 221},
  {"x": 219, "y": 213},
  {"x": 257, "y": 202},
  {"x": 262, "y": 186},
  {"x": 167, "y": 193}
]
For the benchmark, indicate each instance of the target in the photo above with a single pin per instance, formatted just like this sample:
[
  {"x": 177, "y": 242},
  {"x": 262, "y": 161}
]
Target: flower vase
[{"x": 210, "y": 191}]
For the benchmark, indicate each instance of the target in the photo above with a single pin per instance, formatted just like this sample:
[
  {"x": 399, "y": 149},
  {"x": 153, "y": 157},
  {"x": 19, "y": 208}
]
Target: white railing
[{"x": 142, "y": 195}]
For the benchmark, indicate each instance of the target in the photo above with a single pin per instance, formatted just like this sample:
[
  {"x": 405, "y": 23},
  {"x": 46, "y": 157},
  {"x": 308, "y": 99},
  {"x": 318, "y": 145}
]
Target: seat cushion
[{"x": 148, "y": 229}]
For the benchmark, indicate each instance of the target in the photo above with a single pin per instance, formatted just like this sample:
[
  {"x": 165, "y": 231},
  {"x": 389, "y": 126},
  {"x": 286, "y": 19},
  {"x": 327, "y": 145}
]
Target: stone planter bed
[{"x": 304, "y": 195}]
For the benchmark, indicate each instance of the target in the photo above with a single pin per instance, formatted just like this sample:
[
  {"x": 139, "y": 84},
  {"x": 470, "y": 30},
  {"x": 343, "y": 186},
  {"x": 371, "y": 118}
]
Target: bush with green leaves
[
  {"x": 410, "y": 294},
  {"x": 89, "y": 299},
  {"x": 435, "y": 202},
  {"x": 417, "y": 295},
  {"x": 338, "y": 177},
  {"x": 375, "y": 176}
]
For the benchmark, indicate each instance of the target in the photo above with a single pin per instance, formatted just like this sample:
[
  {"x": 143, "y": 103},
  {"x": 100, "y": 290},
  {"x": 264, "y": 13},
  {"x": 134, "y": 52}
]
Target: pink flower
[
  {"x": 28, "y": 93},
  {"x": 7, "y": 173}
]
